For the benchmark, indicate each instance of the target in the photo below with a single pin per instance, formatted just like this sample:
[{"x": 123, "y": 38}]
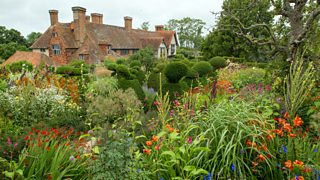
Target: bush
[
  {"x": 3, "y": 85},
  {"x": 19, "y": 66},
  {"x": 203, "y": 68},
  {"x": 175, "y": 71},
  {"x": 123, "y": 71},
  {"x": 138, "y": 75},
  {"x": 121, "y": 61},
  {"x": 134, "y": 84},
  {"x": 154, "y": 80},
  {"x": 160, "y": 67},
  {"x": 135, "y": 63},
  {"x": 174, "y": 89},
  {"x": 191, "y": 77},
  {"x": 67, "y": 70},
  {"x": 218, "y": 62}
]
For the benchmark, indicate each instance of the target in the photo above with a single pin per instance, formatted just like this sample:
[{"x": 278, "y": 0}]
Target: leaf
[
  {"x": 196, "y": 172},
  {"x": 142, "y": 136},
  {"x": 161, "y": 134},
  {"x": 9, "y": 174},
  {"x": 182, "y": 149},
  {"x": 20, "y": 172},
  {"x": 317, "y": 103},
  {"x": 201, "y": 149},
  {"x": 96, "y": 150},
  {"x": 170, "y": 153},
  {"x": 189, "y": 168},
  {"x": 84, "y": 135}
]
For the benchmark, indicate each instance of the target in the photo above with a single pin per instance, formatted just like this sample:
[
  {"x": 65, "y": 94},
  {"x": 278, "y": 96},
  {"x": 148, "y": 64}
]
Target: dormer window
[
  {"x": 56, "y": 49},
  {"x": 173, "y": 49},
  {"x": 42, "y": 50},
  {"x": 54, "y": 34},
  {"x": 81, "y": 56}
]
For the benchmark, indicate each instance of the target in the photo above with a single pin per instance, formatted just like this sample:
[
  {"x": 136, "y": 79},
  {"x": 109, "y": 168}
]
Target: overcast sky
[{"x": 29, "y": 16}]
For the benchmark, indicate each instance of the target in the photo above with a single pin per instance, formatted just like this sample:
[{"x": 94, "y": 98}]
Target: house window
[
  {"x": 56, "y": 49},
  {"x": 124, "y": 52},
  {"x": 109, "y": 49},
  {"x": 81, "y": 56},
  {"x": 162, "y": 52},
  {"x": 42, "y": 50},
  {"x": 173, "y": 49}
]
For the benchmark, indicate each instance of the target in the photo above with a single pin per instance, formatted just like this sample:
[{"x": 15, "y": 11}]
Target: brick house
[{"x": 87, "y": 38}]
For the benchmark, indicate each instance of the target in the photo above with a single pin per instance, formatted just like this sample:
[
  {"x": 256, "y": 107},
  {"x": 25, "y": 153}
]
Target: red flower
[
  {"x": 147, "y": 151},
  {"x": 48, "y": 148},
  {"x": 154, "y": 138},
  {"x": 297, "y": 121},
  {"x": 148, "y": 143},
  {"x": 261, "y": 157},
  {"x": 286, "y": 115},
  {"x": 298, "y": 163},
  {"x": 292, "y": 135},
  {"x": 26, "y": 138},
  {"x": 288, "y": 164}
]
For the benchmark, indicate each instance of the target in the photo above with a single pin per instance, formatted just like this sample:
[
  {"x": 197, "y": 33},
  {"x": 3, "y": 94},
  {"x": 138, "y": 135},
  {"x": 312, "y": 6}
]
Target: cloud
[{"x": 29, "y": 16}]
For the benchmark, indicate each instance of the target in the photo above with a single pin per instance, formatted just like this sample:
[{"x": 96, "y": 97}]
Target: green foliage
[
  {"x": 138, "y": 74},
  {"x": 7, "y": 50},
  {"x": 189, "y": 31},
  {"x": 203, "y": 68},
  {"x": 160, "y": 67},
  {"x": 154, "y": 80},
  {"x": 3, "y": 85},
  {"x": 74, "y": 68},
  {"x": 121, "y": 61},
  {"x": 115, "y": 159},
  {"x": 298, "y": 85},
  {"x": 218, "y": 62},
  {"x": 123, "y": 71},
  {"x": 145, "y": 56},
  {"x": 145, "y": 26},
  {"x": 135, "y": 63},
  {"x": 32, "y": 37},
  {"x": 134, "y": 84},
  {"x": 19, "y": 66},
  {"x": 175, "y": 71},
  {"x": 107, "y": 103},
  {"x": 174, "y": 89}
]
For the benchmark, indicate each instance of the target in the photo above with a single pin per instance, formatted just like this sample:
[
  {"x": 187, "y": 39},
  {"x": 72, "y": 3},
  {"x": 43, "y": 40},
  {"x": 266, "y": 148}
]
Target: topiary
[
  {"x": 123, "y": 71},
  {"x": 160, "y": 67},
  {"x": 134, "y": 84},
  {"x": 68, "y": 70},
  {"x": 203, "y": 68},
  {"x": 138, "y": 74},
  {"x": 174, "y": 89},
  {"x": 190, "y": 78},
  {"x": 154, "y": 80},
  {"x": 175, "y": 71},
  {"x": 135, "y": 63},
  {"x": 218, "y": 62},
  {"x": 121, "y": 61},
  {"x": 19, "y": 66}
]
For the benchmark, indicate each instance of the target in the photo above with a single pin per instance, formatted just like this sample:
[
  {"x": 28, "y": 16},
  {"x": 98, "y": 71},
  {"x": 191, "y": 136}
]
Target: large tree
[
  {"x": 32, "y": 37},
  {"x": 296, "y": 22},
  {"x": 189, "y": 31}
]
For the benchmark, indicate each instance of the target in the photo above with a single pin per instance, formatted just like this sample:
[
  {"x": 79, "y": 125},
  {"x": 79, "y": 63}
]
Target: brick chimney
[
  {"x": 53, "y": 17},
  {"x": 79, "y": 18},
  {"x": 87, "y": 19},
  {"x": 128, "y": 23},
  {"x": 159, "y": 28},
  {"x": 97, "y": 18}
]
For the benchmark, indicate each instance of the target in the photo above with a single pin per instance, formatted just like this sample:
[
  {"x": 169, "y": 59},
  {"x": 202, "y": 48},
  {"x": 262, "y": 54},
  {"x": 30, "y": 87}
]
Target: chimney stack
[
  {"x": 97, "y": 18},
  {"x": 128, "y": 23},
  {"x": 53, "y": 17},
  {"x": 87, "y": 19},
  {"x": 79, "y": 18},
  {"x": 159, "y": 28}
]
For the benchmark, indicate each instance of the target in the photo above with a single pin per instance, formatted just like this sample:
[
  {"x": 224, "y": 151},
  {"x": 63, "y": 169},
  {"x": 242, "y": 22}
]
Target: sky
[{"x": 29, "y": 16}]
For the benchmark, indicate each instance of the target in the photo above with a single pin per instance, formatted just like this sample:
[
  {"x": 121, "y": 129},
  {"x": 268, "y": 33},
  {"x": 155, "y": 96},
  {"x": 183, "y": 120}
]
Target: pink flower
[
  {"x": 176, "y": 103},
  {"x": 15, "y": 145},
  {"x": 190, "y": 140},
  {"x": 9, "y": 141}
]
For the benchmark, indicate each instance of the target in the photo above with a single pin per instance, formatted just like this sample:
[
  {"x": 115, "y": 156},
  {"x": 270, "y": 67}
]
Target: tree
[
  {"x": 11, "y": 35},
  {"x": 189, "y": 31},
  {"x": 7, "y": 50},
  {"x": 145, "y": 56},
  {"x": 228, "y": 39},
  {"x": 145, "y": 26},
  {"x": 32, "y": 37},
  {"x": 298, "y": 17}
]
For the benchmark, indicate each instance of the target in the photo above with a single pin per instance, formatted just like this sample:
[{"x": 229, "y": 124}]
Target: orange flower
[
  {"x": 297, "y": 121},
  {"x": 287, "y": 127},
  {"x": 298, "y": 163},
  {"x": 48, "y": 148},
  {"x": 168, "y": 126},
  {"x": 171, "y": 129},
  {"x": 307, "y": 170},
  {"x": 292, "y": 135},
  {"x": 286, "y": 115},
  {"x": 298, "y": 178},
  {"x": 288, "y": 164},
  {"x": 154, "y": 138},
  {"x": 282, "y": 121},
  {"x": 278, "y": 132},
  {"x": 254, "y": 164},
  {"x": 261, "y": 157},
  {"x": 249, "y": 143},
  {"x": 148, "y": 143},
  {"x": 147, "y": 151}
]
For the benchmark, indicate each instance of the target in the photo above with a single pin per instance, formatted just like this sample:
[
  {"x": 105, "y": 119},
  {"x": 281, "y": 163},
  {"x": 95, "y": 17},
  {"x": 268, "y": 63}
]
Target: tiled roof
[
  {"x": 63, "y": 30},
  {"x": 35, "y": 58}
]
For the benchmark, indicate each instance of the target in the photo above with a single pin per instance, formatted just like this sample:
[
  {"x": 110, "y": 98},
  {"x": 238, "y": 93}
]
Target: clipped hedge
[
  {"x": 175, "y": 71},
  {"x": 134, "y": 84},
  {"x": 174, "y": 89},
  {"x": 154, "y": 80},
  {"x": 218, "y": 62},
  {"x": 123, "y": 71},
  {"x": 203, "y": 68},
  {"x": 19, "y": 66}
]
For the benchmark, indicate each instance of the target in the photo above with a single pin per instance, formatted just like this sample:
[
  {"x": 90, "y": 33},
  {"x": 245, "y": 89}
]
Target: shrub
[
  {"x": 135, "y": 63},
  {"x": 3, "y": 85},
  {"x": 203, "y": 68},
  {"x": 154, "y": 80},
  {"x": 218, "y": 62},
  {"x": 68, "y": 70},
  {"x": 19, "y": 66},
  {"x": 174, "y": 89},
  {"x": 138, "y": 75},
  {"x": 123, "y": 71},
  {"x": 191, "y": 78},
  {"x": 121, "y": 61},
  {"x": 160, "y": 67},
  {"x": 175, "y": 71},
  {"x": 134, "y": 84}
]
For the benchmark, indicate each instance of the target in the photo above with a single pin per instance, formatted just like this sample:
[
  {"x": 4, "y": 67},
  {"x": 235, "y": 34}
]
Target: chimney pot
[
  {"x": 53, "y": 16},
  {"x": 159, "y": 28},
  {"x": 128, "y": 23},
  {"x": 97, "y": 18},
  {"x": 79, "y": 18}
]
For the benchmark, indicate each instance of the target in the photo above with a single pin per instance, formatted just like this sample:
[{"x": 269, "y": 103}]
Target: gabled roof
[
  {"x": 35, "y": 58},
  {"x": 63, "y": 30}
]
